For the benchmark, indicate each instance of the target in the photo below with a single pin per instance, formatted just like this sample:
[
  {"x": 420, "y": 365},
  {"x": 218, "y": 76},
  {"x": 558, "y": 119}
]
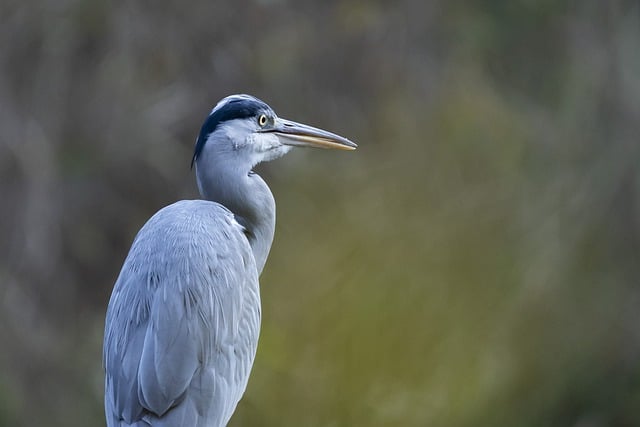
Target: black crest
[{"x": 230, "y": 108}]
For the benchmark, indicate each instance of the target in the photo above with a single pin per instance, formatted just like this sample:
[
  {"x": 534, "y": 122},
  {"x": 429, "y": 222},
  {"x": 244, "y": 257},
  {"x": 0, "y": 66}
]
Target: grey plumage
[{"x": 183, "y": 320}]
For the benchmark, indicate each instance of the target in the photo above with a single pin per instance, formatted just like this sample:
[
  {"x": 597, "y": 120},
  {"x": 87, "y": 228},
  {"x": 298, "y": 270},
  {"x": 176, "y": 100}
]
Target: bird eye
[{"x": 262, "y": 120}]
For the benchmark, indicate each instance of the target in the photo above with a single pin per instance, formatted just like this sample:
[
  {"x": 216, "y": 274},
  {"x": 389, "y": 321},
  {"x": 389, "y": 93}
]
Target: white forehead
[{"x": 228, "y": 99}]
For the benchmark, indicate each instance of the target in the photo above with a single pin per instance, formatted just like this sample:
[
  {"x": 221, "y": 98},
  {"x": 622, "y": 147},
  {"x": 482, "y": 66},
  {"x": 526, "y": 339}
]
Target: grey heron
[{"x": 183, "y": 320}]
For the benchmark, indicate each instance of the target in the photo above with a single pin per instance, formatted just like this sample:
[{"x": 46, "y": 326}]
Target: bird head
[{"x": 245, "y": 128}]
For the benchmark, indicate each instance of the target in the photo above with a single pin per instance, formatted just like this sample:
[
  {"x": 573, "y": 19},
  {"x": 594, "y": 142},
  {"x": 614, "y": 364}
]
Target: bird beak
[{"x": 299, "y": 135}]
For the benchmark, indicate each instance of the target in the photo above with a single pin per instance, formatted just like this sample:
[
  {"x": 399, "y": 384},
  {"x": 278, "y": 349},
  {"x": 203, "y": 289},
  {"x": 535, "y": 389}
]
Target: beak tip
[{"x": 350, "y": 145}]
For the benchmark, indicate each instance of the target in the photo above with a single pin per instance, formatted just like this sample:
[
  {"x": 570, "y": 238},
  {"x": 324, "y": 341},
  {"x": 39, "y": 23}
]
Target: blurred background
[{"x": 476, "y": 262}]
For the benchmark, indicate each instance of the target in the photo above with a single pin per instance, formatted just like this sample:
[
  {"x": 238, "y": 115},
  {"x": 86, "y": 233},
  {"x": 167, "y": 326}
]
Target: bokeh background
[{"x": 474, "y": 263}]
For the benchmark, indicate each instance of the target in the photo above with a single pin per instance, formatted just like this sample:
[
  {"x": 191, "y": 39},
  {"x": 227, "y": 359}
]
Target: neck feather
[{"x": 246, "y": 195}]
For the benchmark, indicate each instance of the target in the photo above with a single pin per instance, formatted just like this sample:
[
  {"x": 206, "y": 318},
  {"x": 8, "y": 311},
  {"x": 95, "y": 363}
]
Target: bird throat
[{"x": 246, "y": 195}]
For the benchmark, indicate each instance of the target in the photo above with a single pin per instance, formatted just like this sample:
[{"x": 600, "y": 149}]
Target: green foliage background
[{"x": 474, "y": 263}]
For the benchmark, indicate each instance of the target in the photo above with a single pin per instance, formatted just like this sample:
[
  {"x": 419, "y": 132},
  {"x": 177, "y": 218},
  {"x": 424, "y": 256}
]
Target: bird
[{"x": 183, "y": 319}]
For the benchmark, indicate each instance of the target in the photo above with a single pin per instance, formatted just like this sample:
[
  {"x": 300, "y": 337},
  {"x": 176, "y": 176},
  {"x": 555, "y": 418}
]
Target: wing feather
[{"x": 184, "y": 308}]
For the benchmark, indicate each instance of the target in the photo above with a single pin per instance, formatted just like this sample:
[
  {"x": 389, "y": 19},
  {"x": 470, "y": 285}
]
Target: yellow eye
[{"x": 262, "y": 120}]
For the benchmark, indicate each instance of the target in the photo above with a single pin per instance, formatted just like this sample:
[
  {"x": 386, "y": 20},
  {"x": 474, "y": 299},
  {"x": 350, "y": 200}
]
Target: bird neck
[{"x": 248, "y": 197}]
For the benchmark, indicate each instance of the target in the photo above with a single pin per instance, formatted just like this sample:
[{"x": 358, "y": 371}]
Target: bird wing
[{"x": 182, "y": 325}]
